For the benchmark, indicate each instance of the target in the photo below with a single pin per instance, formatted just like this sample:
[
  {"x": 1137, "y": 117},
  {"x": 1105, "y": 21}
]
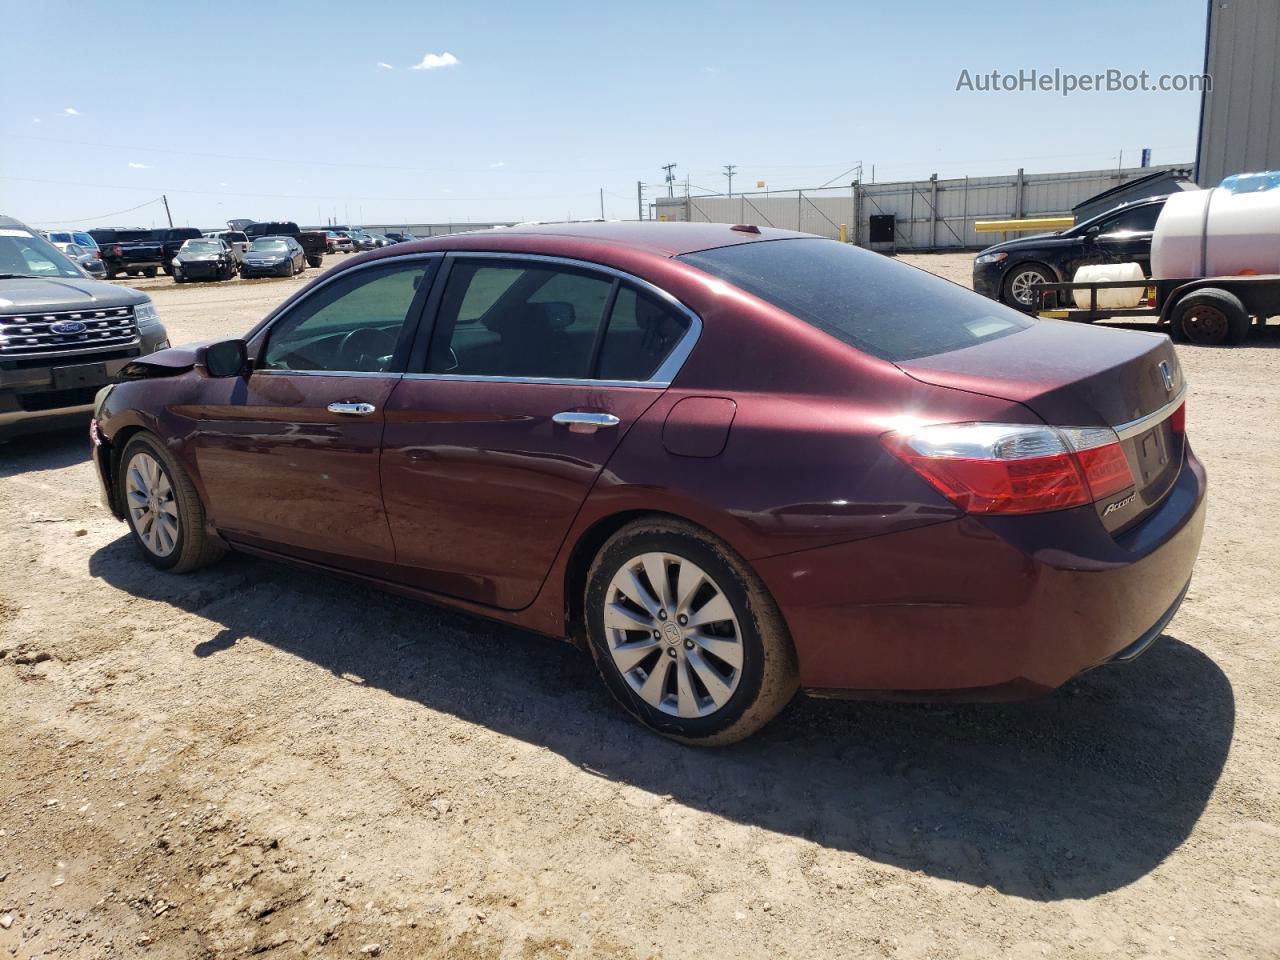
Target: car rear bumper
[{"x": 985, "y": 610}]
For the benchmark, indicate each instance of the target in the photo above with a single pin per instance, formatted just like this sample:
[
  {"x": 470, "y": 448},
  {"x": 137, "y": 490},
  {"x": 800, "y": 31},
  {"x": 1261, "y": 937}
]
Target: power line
[
  {"x": 102, "y": 216},
  {"x": 728, "y": 172}
]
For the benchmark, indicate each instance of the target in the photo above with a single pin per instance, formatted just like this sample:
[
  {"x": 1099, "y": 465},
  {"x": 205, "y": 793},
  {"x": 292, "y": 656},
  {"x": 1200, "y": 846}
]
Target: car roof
[{"x": 668, "y": 239}]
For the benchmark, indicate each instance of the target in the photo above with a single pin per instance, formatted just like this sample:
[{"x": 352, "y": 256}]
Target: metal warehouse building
[
  {"x": 928, "y": 214},
  {"x": 1240, "y": 115}
]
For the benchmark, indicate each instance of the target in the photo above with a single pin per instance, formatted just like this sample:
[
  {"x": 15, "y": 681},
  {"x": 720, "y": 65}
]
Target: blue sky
[{"x": 282, "y": 110}]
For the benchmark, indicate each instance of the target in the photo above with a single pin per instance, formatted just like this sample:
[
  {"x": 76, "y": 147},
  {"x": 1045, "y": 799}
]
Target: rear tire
[
  {"x": 315, "y": 261},
  {"x": 704, "y": 683},
  {"x": 1209, "y": 317},
  {"x": 162, "y": 509}
]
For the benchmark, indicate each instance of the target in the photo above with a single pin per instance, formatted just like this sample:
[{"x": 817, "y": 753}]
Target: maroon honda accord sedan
[{"x": 730, "y": 462}]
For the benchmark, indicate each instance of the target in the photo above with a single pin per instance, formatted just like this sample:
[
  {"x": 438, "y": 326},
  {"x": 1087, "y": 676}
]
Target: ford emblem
[{"x": 67, "y": 326}]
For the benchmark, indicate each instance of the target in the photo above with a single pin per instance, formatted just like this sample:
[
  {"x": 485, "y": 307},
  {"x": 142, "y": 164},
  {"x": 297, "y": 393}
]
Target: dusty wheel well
[
  {"x": 118, "y": 443},
  {"x": 584, "y": 552}
]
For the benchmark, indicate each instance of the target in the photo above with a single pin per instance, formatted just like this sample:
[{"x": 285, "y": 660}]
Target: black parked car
[
  {"x": 1005, "y": 271},
  {"x": 171, "y": 240},
  {"x": 397, "y": 237},
  {"x": 204, "y": 258},
  {"x": 273, "y": 257}
]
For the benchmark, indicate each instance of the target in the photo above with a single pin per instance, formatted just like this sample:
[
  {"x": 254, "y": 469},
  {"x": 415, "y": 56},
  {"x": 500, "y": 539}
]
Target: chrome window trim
[
  {"x": 661, "y": 378},
  {"x": 1134, "y": 427},
  {"x": 267, "y": 322},
  {"x": 396, "y": 375}
]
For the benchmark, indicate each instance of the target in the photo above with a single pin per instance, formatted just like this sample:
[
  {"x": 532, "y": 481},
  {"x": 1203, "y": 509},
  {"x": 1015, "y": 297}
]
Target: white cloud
[
  {"x": 384, "y": 66},
  {"x": 70, "y": 112},
  {"x": 433, "y": 61},
  {"x": 139, "y": 166},
  {"x": 710, "y": 69},
  {"x": 221, "y": 183},
  {"x": 497, "y": 164},
  {"x": 35, "y": 119}
]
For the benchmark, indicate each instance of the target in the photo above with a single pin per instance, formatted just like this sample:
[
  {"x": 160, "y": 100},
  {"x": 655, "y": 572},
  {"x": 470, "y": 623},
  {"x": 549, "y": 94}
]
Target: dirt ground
[{"x": 256, "y": 760}]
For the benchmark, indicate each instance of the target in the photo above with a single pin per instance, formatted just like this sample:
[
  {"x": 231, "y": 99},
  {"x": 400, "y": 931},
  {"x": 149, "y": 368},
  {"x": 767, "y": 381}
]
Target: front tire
[
  {"x": 703, "y": 655},
  {"x": 162, "y": 508},
  {"x": 1016, "y": 291}
]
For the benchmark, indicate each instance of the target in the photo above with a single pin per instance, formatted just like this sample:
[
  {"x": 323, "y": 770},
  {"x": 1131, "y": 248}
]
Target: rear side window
[
  {"x": 508, "y": 320},
  {"x": 642, "y": 332},
  {"x": 863, "y": 299}
]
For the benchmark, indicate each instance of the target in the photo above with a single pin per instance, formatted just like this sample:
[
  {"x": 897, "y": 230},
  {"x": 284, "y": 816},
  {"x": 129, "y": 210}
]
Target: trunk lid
[{"x": 1072, "y": 375}]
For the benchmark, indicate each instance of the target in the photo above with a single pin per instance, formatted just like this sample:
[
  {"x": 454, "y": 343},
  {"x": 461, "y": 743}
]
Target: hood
[
  {"x": 1033, "y": 240},
  {"x": 26, "y": 293}
]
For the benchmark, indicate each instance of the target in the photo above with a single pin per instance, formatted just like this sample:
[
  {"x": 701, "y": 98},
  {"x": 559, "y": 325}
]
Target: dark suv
[
  {"x": 62, "y": 335},
  {"x": 1005, "y": 271}
]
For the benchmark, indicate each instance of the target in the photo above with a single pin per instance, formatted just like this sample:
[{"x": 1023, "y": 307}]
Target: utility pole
[
  {"x": 602, "y": 203},
  {"x": 728, "y": 172},
  {"x": 639, "y": 200},
  {"x": 671, "y": 179},
  {"x": 166, "y": 209}
]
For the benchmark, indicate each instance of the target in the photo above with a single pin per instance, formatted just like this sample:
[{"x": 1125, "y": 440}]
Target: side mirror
[
  {"x": 228, "y": 358},
  {"x": 1091, "y": 234}
]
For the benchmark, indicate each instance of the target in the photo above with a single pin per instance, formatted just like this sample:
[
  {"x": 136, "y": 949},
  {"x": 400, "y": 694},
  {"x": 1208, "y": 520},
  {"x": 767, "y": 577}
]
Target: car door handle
[
  {"x": 579, "y": 421},
  {"x": 352, "y": 409}
]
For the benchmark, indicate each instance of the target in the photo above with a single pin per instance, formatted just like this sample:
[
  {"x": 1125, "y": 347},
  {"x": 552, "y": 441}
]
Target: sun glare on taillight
[{"x": 1015, "y": 468}]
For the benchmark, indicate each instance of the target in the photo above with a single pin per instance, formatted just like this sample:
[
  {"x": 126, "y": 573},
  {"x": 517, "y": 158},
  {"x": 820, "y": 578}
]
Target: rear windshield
[{"x": 864, "y": 299}]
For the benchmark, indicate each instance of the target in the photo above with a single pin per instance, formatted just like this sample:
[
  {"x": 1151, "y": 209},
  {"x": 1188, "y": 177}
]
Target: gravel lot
[{"x": 258, "y": 760}]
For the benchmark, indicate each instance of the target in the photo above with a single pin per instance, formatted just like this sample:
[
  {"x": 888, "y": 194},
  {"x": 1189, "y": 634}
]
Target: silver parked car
[
  {"x": 235, "y": 239},
  {"x": 85, "y": 258}
]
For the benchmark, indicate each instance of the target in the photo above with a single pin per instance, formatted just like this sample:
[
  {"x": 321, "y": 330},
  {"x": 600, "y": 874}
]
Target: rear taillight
[
  {"x": 115, "y": 250},
  {"x": 1178, "y": 419},
  {"x": 1013, "y": 468}
]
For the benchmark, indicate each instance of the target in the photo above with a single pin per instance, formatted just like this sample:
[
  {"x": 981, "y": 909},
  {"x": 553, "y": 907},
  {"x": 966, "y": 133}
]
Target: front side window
[
  {"x": 511, "y": 320},
  {"x": 354, "y": 324}
]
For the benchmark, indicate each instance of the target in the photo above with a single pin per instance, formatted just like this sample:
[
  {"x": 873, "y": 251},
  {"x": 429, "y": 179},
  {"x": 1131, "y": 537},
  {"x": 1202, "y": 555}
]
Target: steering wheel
[{"x": 363, "y": 349}]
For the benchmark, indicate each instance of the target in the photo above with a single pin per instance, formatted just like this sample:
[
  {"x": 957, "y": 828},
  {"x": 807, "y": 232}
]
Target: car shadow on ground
[
  {"x": 45, "y": 451},
  {"x": 1069, "y": 796},
  {"x": 1267, "y": 337}
]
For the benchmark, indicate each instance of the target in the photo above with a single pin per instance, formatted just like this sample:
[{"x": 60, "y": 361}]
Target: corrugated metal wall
[
  {"x": 1240, "y": 115},
  {"x": 930, "y": 214}
]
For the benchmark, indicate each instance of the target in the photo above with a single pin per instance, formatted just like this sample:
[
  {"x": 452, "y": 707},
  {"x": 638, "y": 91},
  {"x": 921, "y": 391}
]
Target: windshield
[
  {"x": 202, "y": 246},
  {"x": 272, "y": 246},
  {"x": 23, "y": 254},
  {"x": 864, "y": 299}
]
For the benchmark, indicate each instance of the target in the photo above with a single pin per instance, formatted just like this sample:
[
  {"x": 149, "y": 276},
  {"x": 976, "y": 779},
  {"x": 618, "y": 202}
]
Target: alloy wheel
[
  {"x": 673, "y": 635},
  {"x": 1020, "y": 286},
  {"x": 153, "y": 510}
]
